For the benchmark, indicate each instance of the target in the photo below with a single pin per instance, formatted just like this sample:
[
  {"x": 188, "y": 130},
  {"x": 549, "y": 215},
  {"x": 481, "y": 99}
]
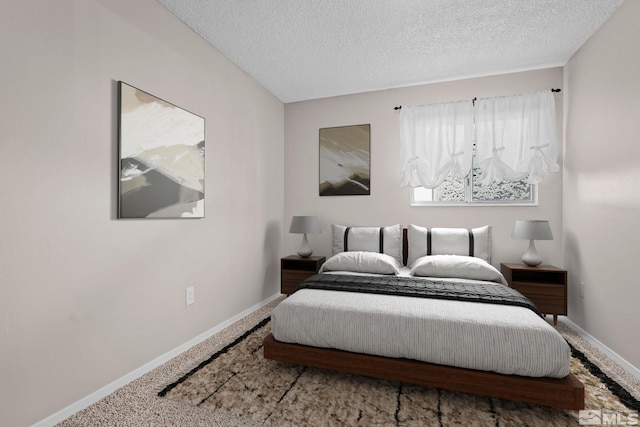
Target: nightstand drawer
[
  {"x": 548, "y": 298},
  {"x": 296, "y": 276},
  {"x": 537, "y": 290},
  {"x": 292, "y": 278}
]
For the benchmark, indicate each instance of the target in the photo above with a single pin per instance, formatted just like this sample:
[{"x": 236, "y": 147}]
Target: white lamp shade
[
  {"x": 305, "y": 224},
  {"x": 532, "y": 229}
]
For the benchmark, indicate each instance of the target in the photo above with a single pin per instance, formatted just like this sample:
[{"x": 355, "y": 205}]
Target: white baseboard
[
  {"x": 121, "y": 382},
  {"x": 628, "y": 367}
]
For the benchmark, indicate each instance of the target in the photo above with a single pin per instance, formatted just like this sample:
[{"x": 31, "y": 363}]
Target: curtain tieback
[
  {"x": 497, "y": 150},
  {"x": 459, "y": 153},
  {"x": 538, "y": 147}
]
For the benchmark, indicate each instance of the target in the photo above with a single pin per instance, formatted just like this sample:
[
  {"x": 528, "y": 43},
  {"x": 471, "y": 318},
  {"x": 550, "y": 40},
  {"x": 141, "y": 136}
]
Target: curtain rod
[{"x": 399, "y": 107}]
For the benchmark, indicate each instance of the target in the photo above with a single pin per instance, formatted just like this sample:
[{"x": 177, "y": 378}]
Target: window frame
[{"x": 469, "y": 198}]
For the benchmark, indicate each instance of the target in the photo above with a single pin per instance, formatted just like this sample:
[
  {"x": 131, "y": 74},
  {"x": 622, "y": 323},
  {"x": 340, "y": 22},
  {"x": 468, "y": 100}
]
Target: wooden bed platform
[{"x": 565, "y": 393}]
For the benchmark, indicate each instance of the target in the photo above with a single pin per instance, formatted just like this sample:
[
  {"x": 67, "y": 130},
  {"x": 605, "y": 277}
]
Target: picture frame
[
  {"x": 161, "y": 151},
  {"x": 345, "y": 161}
]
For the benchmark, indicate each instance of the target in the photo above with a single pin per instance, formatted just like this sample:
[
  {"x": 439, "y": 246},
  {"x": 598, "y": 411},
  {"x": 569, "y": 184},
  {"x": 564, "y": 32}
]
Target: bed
[{"x": 424, "y": 306}]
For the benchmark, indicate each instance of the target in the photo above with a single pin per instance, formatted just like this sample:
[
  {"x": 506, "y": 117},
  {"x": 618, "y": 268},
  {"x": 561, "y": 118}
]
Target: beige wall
[
  {"x": 601, "y": 176},
  {"x": 388, "y": 203},
  {"x": 85, "y": 298}
]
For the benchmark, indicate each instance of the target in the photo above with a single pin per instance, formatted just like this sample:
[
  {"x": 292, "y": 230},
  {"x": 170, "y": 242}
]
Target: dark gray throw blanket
[{"x": 420, "y": 287}]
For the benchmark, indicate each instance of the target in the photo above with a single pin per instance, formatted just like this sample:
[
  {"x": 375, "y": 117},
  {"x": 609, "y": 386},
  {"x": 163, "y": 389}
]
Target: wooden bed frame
[{"x": 564, "y": 393}]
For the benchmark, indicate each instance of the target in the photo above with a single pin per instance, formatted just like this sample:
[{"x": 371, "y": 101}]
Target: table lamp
[
  {"x": 304, "y": 225},
  {"x": 532, "y": 229}
]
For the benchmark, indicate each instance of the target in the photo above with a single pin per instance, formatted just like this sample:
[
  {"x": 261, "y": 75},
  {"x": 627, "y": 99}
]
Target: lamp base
[
  {"x": 305, "y": 251},
  {"x": 531, "y": 256}
]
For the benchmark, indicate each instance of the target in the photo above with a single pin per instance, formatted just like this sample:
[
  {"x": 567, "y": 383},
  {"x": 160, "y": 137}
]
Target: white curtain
[
  {"x": 516, "y": 137},
  {"x": 435, "y": 140}
]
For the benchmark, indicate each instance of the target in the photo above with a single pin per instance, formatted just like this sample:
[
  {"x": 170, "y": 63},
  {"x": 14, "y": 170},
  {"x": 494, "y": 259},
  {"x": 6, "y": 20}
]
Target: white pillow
[
  {"x": 448, "y": 241},
  {"x": 362, "y": 262},
  {"x": 367, "y": 239},
  {"x": 464, "y": 267}
]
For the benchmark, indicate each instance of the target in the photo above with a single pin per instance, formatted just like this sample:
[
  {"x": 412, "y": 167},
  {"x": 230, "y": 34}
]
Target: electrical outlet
[
  {"x": 189, "y": 295},
  {"x": 582, "y": 290}
]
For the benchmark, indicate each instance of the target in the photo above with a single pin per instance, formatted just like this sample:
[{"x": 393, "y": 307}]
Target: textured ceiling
[{"x": 308, "y": 49}]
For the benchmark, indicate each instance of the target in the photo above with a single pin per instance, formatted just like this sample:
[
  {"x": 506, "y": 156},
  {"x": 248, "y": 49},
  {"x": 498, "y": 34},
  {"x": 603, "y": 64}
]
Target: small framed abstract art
[
  {"x": 345, "y": 161},
  {"x": 161, "y": 152}
]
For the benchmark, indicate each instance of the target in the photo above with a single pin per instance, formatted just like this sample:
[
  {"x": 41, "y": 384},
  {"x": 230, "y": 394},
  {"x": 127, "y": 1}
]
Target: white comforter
[{"x": 498, "y": 338}]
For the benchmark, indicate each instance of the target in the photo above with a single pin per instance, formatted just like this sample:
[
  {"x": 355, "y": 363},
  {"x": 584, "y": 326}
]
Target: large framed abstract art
[
  {"x": 161, "y": 151},
  {"x": 345, "y": 161}
]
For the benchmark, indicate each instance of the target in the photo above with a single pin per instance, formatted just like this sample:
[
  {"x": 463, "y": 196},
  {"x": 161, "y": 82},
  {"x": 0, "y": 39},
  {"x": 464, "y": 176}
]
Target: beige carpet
[{"x": 239, "y": 388}]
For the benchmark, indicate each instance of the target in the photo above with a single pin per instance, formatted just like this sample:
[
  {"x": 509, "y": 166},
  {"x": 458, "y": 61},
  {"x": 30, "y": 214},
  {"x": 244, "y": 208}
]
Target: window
[
  {"x": 470, "y": 191},
  {"x": 485, "y": 152}
]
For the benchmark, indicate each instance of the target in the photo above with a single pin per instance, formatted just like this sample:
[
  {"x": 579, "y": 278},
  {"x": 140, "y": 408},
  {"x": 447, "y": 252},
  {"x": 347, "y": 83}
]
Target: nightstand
[
  {"x": 545, "y": 286},
  {"x": 294, "y": 269}
]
